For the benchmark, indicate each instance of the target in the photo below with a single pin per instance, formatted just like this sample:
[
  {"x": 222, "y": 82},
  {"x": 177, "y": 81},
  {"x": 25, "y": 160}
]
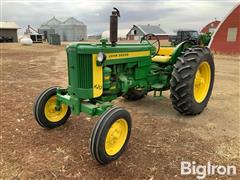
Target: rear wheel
[
  {"x": 192, "y": 81},
  {"x": 45, "y": 111},
  {"x": 110, "y": 135},
  {"x": 134, "y": 94}
]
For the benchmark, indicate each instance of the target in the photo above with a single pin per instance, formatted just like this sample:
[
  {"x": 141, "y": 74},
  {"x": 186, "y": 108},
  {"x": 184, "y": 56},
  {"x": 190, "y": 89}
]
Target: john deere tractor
[
  {"x": 193, "y": 36},
  {"x": 100, "y": 73}
]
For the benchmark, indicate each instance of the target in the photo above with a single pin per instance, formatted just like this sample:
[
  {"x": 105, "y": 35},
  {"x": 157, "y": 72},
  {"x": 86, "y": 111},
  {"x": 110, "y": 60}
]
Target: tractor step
[{"x": 157, "y": 88}]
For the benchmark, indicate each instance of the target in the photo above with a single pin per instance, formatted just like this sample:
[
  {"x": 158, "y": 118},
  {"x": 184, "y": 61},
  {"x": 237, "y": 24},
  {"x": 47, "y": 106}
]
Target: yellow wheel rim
[
  {"x": 116, "y": 137},
  {"x": 51, "y": 113},
  {"x": 202, "y": 81}
]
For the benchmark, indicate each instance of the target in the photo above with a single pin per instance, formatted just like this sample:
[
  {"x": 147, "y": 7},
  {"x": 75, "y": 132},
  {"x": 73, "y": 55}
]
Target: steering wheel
[{"x": 148, "y": 37}]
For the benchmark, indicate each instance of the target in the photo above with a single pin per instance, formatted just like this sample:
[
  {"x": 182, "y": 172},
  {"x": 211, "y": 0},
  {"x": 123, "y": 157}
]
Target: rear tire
[{"x": 189, "y": 93}]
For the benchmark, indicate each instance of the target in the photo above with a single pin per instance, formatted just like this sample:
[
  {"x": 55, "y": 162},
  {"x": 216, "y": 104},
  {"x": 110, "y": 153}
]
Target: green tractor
[
  {"x": 193, "y": 36},
  {"x": 100, "y": 73}
]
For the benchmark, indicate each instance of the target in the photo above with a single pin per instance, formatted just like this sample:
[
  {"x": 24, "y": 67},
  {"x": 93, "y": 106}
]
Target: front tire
[
  {"x": 45, "y": 112},
  {"x": 192, "y": 81},
  {"x": 110, "y": 135}
]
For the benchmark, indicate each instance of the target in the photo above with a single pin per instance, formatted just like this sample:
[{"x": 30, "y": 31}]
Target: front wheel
[
  {"x": 110, "y": 135},
  {"x": 45, "y": 111},
  {"x": 192, "y": 81}
]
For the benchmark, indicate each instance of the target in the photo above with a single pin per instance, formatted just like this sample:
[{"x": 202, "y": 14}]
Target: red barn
[
  {"x": 211, "y": 27},
  {"x": 227, "y": 36}
]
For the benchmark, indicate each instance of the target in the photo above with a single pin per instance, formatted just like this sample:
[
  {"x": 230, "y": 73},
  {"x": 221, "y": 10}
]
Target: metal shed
[
  {"x": 54, "y": 39},
  {"x": 8, "y": 31}
]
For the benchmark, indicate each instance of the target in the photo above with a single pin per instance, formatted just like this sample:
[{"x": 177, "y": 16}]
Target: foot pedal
[{"x": 157, "y": 86}]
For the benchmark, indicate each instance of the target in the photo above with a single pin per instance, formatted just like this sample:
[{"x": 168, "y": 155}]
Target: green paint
[
  {"x": 205, "y": 38},
  {"x": 119, "y": 75}
]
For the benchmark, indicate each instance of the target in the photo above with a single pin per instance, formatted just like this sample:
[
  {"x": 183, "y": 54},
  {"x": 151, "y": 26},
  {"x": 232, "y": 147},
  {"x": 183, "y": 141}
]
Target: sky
[{"x": 170, "y": 14}]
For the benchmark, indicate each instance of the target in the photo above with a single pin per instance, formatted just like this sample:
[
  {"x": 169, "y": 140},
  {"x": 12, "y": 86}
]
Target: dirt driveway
[{"x": 161, "y": 137}]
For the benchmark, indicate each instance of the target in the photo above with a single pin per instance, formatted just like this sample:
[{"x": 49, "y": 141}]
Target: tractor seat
[
  {"x": 162, "y": 59},
  {"x": 164, "y": 55}
]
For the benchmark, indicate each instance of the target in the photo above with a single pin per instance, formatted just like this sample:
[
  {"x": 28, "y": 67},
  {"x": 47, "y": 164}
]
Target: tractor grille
[{"x": 85, "y": 71}]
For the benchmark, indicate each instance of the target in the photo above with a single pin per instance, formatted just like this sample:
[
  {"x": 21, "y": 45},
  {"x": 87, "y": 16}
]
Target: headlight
[{"x": 101, "y": 57}]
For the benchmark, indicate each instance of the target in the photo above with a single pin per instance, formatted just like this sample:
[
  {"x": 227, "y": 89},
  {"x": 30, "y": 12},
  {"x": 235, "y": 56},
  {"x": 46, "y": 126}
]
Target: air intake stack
[{"x": 114, "y": 26}]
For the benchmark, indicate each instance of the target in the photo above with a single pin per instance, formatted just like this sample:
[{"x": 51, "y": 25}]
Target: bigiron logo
[{"x": 202, "y": 171}]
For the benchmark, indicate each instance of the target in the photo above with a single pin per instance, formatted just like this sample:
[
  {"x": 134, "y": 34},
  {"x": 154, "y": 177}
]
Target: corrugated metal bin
[{"x": 54, "y": 39}]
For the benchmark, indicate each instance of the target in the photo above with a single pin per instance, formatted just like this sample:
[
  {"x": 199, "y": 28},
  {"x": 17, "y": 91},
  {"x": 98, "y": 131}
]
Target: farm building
[
  {"x": 138, "y": 31},
  {"x": 122, "y": 34},
  {"x": 227, "y": 36},
  {"x": 46, "y": 31},
  {"x": 69, "y": 30},
  {"x": 94, "y": 36},
  {"x": 210, "y": 27},
  {"x": 33, "y": 34},
  {"x": 8, "y": 31}
]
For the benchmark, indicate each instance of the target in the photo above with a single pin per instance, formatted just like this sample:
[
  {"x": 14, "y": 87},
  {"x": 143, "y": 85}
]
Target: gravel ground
[{"x": 161, "y": 137}]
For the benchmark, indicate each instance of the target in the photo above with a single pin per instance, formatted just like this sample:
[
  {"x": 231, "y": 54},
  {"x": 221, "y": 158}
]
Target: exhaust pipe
[{"x": 114, "y": 26}]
